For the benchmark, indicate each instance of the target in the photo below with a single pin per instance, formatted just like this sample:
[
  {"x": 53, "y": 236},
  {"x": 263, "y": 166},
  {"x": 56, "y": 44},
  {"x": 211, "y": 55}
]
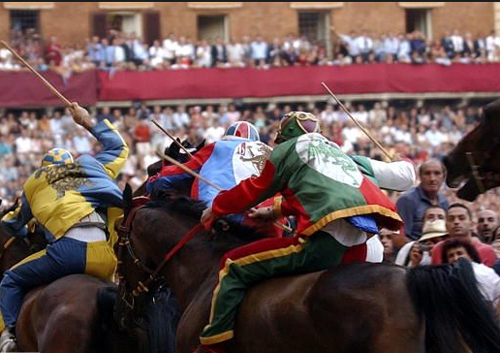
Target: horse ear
[
  {"x": 492, "y": 110},
  {"x": 200, "y": 145},
  {"x": 127, "y": 200},
  {"x": 173, "y": 150}
]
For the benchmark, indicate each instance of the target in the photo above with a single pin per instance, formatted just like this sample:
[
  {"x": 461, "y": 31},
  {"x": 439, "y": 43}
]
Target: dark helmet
[{"x": 294, "y": 124}]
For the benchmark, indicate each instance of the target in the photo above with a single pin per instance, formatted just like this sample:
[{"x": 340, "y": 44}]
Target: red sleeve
[
  {"x": 287, "y": 208},
  {"x": 488, "y": 255},
  {"x": 436, "y": 253},
  {"x": 194, "y": 163},
  {"x": 244, "y": 195}
]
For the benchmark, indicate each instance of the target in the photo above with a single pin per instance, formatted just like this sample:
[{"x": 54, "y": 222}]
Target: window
[
  {"x": 315, "y": 26},
  {"x": 211, "y": 27},
  {"x": 419, "y": 19},
  {"x": 126, "y": 22},
  {"x": 22, "y": 20}
]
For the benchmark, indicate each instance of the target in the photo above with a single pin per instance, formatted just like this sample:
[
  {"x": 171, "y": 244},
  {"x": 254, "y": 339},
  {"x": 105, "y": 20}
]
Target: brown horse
[
  {"x": 354, "y": 308},
  {"x": 173, "y": 151},
  {"x": 71, "y": 314},
  {"x": 476, "y": 157}
]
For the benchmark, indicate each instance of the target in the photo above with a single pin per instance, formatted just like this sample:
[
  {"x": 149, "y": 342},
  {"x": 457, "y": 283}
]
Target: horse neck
[
  {"x": 189, "y": 268},
  {"x": 193, "y": 270}
]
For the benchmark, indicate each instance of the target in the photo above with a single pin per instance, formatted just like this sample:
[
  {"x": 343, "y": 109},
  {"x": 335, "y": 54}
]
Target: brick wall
[
  {"x": 72, "y": 23},
  {"x": 69, "y": 22},
  {"x": 473, "y": 17}
]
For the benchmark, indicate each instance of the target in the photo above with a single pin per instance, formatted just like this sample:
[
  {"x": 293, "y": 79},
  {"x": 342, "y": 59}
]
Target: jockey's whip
[
  {"x": 44, "y": 81},
  {"x": 475, "y": 173},
  {"x": 218, "y": 188},
  {"x": 173, "y": 139},
  {"x": 366, "y": 132}
]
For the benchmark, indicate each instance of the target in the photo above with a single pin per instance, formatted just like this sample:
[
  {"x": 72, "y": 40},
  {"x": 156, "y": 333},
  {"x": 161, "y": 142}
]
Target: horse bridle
[
  {"x": 124, "y": 233},
  {"x": 475, "y": 168}
]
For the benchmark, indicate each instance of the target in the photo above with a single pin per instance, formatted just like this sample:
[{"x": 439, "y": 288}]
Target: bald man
[{"x": 487, "y": 221}]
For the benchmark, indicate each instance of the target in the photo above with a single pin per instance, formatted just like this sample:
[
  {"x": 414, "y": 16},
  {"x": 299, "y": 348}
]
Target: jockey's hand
[
  {"x": 264, "y": 213},
  {"x": 80, "y": 116},
  {"x": 207, "y": 218}
]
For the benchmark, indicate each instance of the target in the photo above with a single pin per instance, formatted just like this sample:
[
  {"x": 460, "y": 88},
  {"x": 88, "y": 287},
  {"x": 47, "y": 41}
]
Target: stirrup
[{"x": 9, "y": 345}]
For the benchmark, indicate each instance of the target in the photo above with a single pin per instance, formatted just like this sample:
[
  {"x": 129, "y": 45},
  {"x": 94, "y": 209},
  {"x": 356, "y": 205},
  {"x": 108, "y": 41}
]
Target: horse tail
[
  {"x": 163, "y": 316},
  {"x": 455, "y": 312}
]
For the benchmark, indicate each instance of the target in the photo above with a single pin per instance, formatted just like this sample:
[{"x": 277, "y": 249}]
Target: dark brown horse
[
  {"x": 476, "y": 158},
  {"x": 354, "y": 308},
  {"x": 72, "y": 314},
  {"x": 173, "y": 151}
]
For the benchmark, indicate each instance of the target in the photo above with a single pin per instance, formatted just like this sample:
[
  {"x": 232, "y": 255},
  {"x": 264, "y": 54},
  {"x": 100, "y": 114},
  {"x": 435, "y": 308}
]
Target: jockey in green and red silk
[
  {"x": 336, "y": 200},
  {"x": 238, "y": 156}
]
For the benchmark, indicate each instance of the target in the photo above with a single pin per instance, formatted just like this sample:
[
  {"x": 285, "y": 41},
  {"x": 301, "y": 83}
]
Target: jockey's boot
[
  {"x": 8, "y": 342},
  {"x": 212, "y": 348}
]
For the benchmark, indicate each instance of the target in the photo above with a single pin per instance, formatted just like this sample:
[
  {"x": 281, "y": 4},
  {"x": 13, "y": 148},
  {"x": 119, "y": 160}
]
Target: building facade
[{"x": 74, "y": 23}]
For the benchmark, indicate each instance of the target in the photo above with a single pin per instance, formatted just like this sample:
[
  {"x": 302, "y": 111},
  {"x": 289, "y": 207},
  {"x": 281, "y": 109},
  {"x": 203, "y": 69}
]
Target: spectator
[
  {"x": 459, "y": 225},
  {"x": 412, "y": 205},
  {"x": 487, "y": 222},
  {"x": 412, "y": 254},
  {"x": 488, "y": 281}
]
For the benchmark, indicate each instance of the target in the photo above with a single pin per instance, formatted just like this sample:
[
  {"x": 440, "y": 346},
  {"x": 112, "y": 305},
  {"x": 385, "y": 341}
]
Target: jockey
[
  {"x": 238, "y": 156},
  {"x": 336, "y": 200},
  {"x": 76, "y": 202}
]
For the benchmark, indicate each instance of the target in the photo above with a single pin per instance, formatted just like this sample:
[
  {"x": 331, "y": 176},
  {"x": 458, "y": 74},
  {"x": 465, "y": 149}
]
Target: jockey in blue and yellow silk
[{"x": 76, "y": 201}]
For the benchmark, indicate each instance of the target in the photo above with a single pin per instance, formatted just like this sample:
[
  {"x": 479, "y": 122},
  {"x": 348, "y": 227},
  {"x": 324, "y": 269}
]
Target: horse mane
[
  {"x": 8, "y": 209},
  {"x": 224, "y": 227}
]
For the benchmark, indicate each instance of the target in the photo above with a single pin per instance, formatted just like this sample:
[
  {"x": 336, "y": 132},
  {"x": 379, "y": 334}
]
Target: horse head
[
  {"x": 475, "y": 158},
  {"x": 15, "y": 249},
  {"x": 172, "y": 151}
]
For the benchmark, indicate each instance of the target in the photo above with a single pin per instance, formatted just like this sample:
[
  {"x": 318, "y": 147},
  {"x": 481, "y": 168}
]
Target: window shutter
[
  {"x": 152, "y": 26},
  {"x": 99, "y": 24}
]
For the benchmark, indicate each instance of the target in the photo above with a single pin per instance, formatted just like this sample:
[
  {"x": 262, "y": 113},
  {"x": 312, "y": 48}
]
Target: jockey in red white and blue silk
[{"x": 238, "y": 156}]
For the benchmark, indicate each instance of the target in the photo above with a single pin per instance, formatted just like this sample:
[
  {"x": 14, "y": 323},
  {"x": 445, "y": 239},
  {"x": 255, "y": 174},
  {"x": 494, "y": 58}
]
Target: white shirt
[{"x": 488, "y": 282}]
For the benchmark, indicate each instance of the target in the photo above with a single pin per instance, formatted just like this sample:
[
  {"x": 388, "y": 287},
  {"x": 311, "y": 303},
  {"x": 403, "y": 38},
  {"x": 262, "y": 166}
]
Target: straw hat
[{"x": 433, "y": 229}]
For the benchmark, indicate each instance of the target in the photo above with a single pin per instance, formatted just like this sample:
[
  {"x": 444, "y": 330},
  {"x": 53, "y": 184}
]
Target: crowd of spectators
[
  {"x": 418, "y": 133},
  {"x": 127, "y": 51}
]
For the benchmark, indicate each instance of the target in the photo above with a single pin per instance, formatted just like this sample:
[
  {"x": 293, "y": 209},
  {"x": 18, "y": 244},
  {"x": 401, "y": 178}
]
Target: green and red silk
[{"x": 301, "y": 169}]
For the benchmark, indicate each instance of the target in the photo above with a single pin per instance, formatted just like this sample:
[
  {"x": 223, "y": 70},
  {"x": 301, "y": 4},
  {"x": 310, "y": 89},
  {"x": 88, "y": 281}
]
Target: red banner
[
  {"x": 298, "y": 81},
  {"x": 23, "y": 89}
]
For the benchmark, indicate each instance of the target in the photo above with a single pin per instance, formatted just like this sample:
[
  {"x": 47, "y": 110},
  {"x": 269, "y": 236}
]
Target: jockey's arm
[
  {"x": 248, "y": 193},
  {"x": 171, "y": 176},
  {"x": 14, "y": 222},
  {"x": 115, "y": 151},
  {"x": 398, "y": 176}
]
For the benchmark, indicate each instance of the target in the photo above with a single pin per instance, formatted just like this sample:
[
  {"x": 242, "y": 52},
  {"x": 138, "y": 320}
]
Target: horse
[
  {"x": 357, "y": 307},
  {"x": 173, "y": 151},
  {"x": 476, "y": 157},
  {"x": 71, "y": 314}
]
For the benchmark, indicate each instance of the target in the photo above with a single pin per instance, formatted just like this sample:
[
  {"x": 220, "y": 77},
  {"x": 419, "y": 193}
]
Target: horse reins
[
  {"x": 125, "y": 229},
  {"x": 7, "y": 244}
]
